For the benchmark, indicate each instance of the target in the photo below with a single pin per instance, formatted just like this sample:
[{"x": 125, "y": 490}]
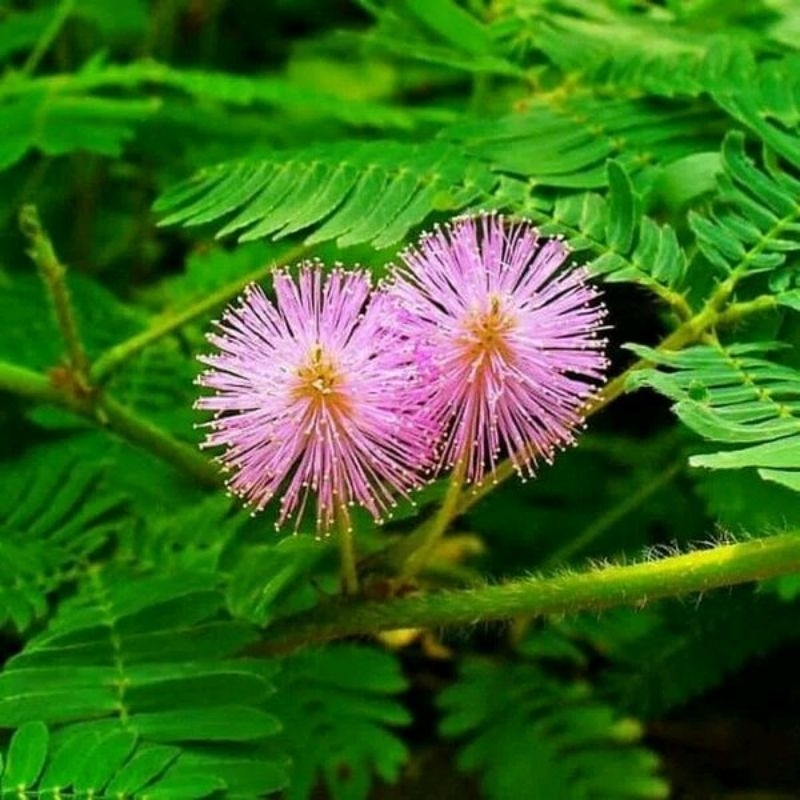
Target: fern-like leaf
[
  {"x": 756, "y": 221},
  {"x": 525, "y": 731},
  {"x": 352, "y": 192},
  {"x": 733, "y": 396},
  {"x": 337, "y": 707},
  {"x": 155, "y": 658},
  {"x": 114, "y": 766},
  {"x": 52, "y": 518},
  {"x": 565, "y": 143}
]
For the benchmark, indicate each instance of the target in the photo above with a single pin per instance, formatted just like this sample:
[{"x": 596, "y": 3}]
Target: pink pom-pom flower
[
  {"x": 509, "y": 339},
  {"x": 316, "y": 395}
]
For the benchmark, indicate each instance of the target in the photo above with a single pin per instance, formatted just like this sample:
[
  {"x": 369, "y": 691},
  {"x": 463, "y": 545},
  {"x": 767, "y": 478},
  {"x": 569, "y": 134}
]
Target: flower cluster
[{"x": 480, "y": 345}]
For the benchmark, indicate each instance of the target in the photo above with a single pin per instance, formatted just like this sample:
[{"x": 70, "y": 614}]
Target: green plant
[{"x": 156, "y": 159}]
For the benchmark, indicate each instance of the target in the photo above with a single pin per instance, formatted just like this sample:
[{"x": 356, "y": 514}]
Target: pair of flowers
[{"x": 480, "y": 344}]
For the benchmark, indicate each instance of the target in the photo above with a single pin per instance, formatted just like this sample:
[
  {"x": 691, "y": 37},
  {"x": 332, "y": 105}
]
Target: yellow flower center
[
  {"x": 320, "y": 382},
  {"x": 487, "y": 332}
]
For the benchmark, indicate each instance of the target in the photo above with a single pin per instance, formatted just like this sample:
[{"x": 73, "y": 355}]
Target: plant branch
[
  {"x": 52, "y": 273},
  {"x": 590, "y": 590},
  {"x": 107, "y": 363},
  {"x": 136, "y": 430},
  {"x": 108, "y": 413}
]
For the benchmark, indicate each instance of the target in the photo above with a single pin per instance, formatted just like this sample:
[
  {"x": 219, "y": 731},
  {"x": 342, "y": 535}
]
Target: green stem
[
  {"x": 142, "y": 433},
  {"x": 61, "y": 15},
  {"x": 52, "y": 272},
  {"x": 348, "y": 553},
  {"x": 108, "y": 413},
  {"x": 32, "y": 385},
  {"x": 415, "y": 550},
  {"x": 590, "y": 590},
  {"x": 107, "y": 363}
]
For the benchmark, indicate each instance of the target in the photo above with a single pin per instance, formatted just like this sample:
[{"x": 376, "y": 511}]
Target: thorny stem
[
  {"x": 52, "y": 273},
  {"x": 348, "y": 553},
  {"x": 592, "y": 589},
  {"x": 115, "y": 357}
]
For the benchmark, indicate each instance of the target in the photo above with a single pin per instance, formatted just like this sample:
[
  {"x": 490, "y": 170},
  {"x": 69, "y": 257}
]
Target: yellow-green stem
[
  {"x": 110, "y": 361},
  {"x": 589, "y": 590},
  {"x": 416, "y": 549}
]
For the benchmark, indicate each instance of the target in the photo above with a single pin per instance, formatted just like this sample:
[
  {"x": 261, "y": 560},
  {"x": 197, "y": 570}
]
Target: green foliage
[
  {"x": 357, "y": 192},
  {"x": 524, "y": 727},
  {"x": 692, "y": 647},
  {"x": 629, "y": 245},
  {"x": 51, "y": 521},
  {"x": 140, "y": 606},
  {"x": 110, "y": 766},
  {"x": 566, "y": 142},
  {"x": 731, "y": 396},
  {"x": 755, "y": 222},
  {"x": 338, "y": 707},
  {"x": 153, "y": 660}
]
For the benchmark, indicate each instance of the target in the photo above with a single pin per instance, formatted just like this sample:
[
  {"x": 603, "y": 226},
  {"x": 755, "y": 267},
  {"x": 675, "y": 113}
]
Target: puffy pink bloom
[
  {"x": 509, "y": 338},
  {"x": 315, "y": 394}
]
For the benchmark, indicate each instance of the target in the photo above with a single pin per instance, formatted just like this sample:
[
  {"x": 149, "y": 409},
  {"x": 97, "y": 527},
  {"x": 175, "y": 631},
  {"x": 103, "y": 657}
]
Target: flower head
[
  {"x": 509, "y": 339},
  {"x": 315, "y": 394}
]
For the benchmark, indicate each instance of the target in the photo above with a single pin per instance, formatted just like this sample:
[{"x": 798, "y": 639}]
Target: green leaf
[
  {"x": 353, "y": 192},
  {"x": 453, "y": 24},
  {"x": 338, "y": 706},
  {"x": 755, "y": 221},
  {"x": 132, "y": 662},
  {"x": 53, "y": 515},
  {"x": 26, "y": 756},
  {"x": 622, "y": 209},
  {"x": 730, "y": 396},
  {"x": 145, "y": 765},
  {"x": 104, "y": 761},
  {"x": 518, "y": 726}
]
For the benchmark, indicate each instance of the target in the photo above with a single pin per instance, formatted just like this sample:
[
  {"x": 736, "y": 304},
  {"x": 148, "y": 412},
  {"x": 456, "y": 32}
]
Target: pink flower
[
  {"x": 315, "y": 393},
  {"x": 509, "y": 338}
]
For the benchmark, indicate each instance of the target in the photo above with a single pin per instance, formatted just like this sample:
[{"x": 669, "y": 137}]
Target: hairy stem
[
  {"x": 115, "y": 357},
  {"x": 53, "y": 272},
  {"x": 593, "y": 589}
]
